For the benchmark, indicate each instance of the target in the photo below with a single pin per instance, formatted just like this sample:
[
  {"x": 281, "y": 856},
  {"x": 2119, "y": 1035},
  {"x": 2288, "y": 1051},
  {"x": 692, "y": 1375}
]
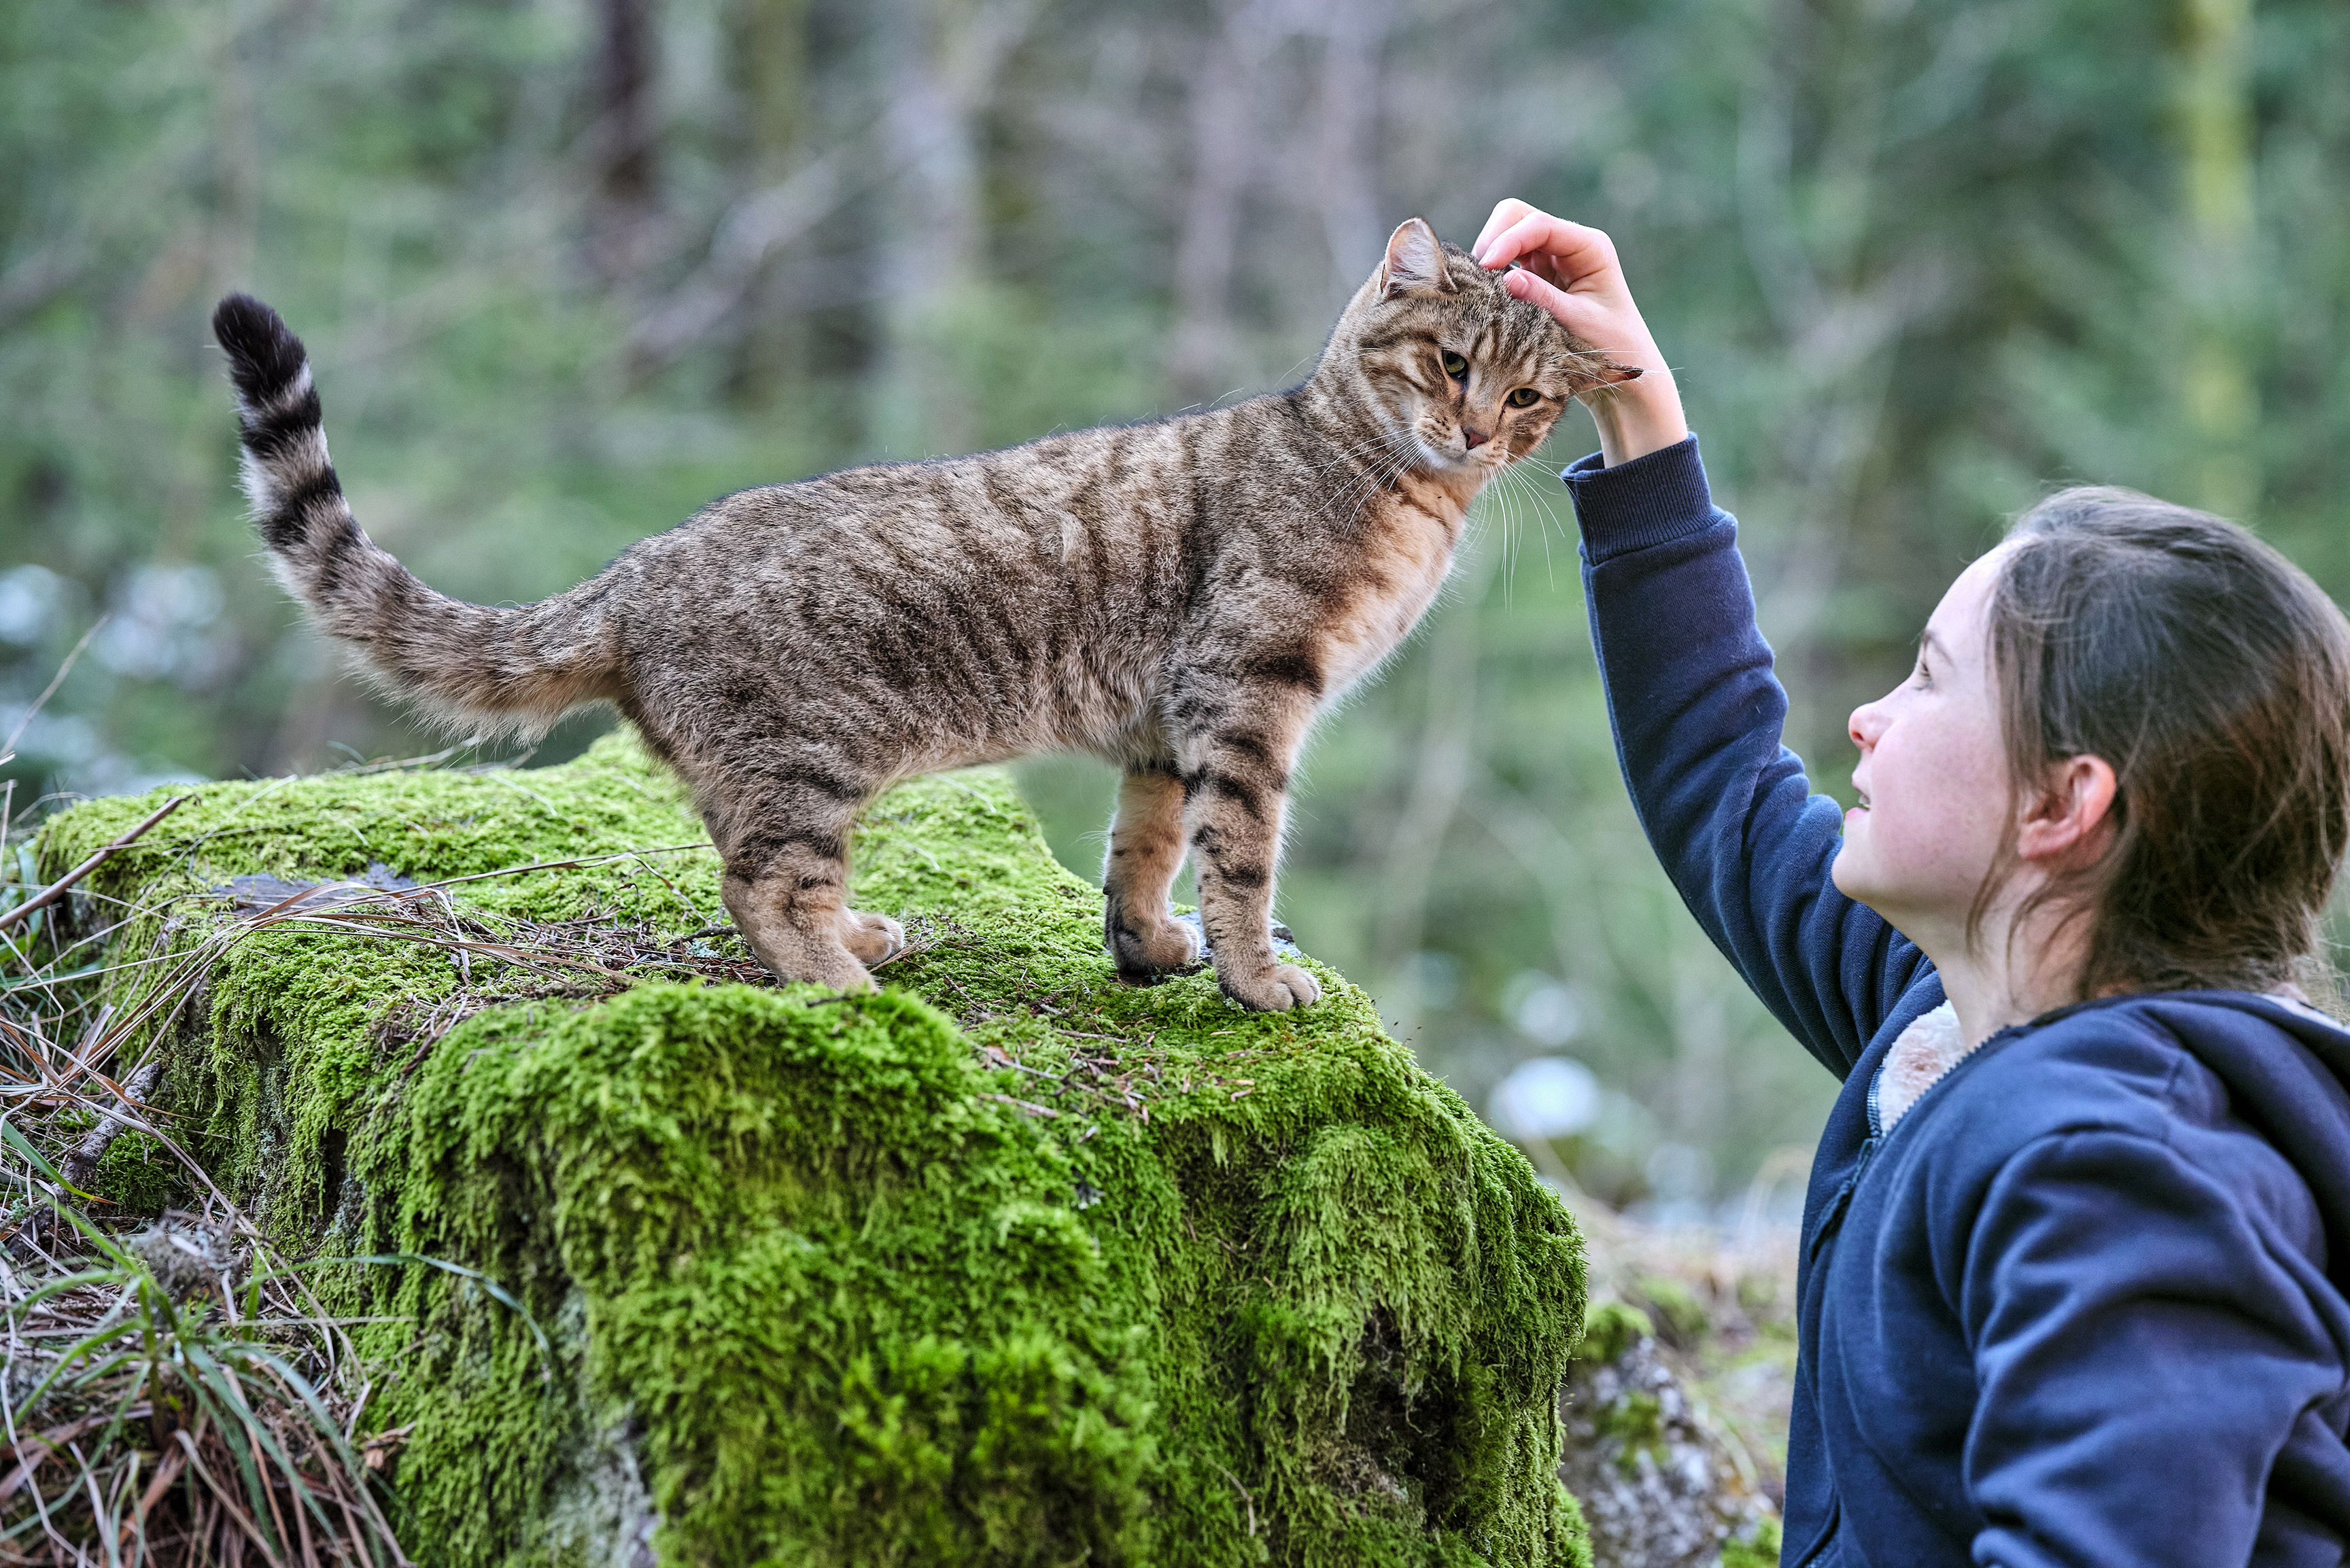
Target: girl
[{"x": 2076, "y": 1246}]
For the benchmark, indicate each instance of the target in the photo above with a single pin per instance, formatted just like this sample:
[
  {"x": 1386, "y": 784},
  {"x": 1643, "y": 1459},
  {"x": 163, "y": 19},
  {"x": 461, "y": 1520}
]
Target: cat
[{"x": 1179, "y": 596}]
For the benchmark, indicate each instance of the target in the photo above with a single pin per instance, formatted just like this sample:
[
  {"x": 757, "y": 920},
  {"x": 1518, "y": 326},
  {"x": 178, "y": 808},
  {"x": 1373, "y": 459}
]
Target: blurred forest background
[{"x": 569, "y": 269}]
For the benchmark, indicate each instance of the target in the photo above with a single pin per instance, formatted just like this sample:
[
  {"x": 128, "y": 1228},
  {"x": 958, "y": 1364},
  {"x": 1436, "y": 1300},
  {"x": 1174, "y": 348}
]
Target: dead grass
[{"x": 176, "y": 1395}]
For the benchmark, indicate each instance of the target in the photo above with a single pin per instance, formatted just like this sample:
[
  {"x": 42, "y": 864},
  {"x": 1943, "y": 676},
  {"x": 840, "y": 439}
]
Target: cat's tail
[{"x": 471, "y": 665}]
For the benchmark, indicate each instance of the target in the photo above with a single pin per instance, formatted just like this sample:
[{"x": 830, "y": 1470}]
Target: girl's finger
[
  {"x": 1576, "y": 252},
  {"x": 1506, "y": 211},
  {"x": 1579, "y": 315}
]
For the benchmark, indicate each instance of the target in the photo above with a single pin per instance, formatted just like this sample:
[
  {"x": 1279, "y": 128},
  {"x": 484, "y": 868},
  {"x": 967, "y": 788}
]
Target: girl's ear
[{"x": 2073, "y": 815}]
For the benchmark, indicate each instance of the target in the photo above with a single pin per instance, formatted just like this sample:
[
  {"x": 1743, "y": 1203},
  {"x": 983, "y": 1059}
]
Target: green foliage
[
  {"x": 174, "y": 1345},
  {"x": 1684, "y": 1315},
  {"x": 1006, "y": 1264},
  {"x": 1913, "y": 265}
]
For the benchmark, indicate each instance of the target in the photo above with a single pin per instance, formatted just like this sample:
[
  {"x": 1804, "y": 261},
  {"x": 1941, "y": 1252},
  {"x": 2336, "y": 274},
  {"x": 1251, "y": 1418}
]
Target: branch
[
  {"x": 64, "y": 884},
  {"x": 82, "y": 1163}
]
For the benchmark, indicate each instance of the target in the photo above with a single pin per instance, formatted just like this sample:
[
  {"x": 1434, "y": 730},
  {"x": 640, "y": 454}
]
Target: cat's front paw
[
  {"x": 1147, "y": 950},
  {"x": 1277, "y": 990},
  {"x": 874, "y": 938}
]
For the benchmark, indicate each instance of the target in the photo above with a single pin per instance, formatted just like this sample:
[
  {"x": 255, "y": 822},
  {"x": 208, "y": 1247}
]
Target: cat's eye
[
  {"x": 1455, "y": 366},
  {"x": 1524, "y": 397}
]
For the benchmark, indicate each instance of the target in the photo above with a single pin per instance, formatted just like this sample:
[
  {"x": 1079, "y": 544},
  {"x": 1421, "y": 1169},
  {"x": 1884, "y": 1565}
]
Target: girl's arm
[
  {"x": 1696, "y": 710},
  {"x": 2157, "y": 1381}
]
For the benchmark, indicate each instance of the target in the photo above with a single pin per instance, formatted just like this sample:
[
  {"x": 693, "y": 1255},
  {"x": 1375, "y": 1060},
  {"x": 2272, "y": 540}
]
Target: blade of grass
[
  {"x": 221, "y": 1495},
  {"x": 495, "y": 1291},
  {"x": 8, "y": 747},
  {"x": 228, "y": 1397}
]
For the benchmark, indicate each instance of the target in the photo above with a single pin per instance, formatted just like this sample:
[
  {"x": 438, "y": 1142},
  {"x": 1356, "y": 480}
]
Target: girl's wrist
[{"x": 1636, "y": 417}]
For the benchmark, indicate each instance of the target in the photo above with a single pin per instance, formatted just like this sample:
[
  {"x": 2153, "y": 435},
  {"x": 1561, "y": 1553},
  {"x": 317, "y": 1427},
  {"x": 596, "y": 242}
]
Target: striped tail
[{"x": 470, "y": 666}]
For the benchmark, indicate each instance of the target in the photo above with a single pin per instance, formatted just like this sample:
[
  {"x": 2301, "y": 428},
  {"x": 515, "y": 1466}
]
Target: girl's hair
[{"x": 2214, "y": 676}]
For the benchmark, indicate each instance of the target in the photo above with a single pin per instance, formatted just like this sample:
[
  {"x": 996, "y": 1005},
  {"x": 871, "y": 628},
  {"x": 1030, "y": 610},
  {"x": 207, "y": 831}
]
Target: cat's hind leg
[
  {"x": 1146, "y": 850},
  {"x": 785, "y": 886},
  {"x": 874, "y": 938}
]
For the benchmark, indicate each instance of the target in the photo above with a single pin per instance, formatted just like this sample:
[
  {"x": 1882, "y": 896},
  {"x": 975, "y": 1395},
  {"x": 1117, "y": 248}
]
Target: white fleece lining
[{"x": 1928, "y": 1048}]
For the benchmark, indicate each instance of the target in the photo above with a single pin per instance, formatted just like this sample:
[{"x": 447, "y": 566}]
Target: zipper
[
  {"x": 1877, "y": 1134},
  {"x": 1834, "y": 1217},
  {"x": 1827, "y": 1534},
  {"x": 1876, "y": 1079}
]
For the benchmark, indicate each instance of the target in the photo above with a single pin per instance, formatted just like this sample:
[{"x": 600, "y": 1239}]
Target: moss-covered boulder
[{"x": 1007, "y": 1263}]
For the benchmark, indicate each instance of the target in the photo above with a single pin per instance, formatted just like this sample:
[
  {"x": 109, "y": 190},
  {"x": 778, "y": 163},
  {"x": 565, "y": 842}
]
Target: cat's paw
[
  {"x": 1277, "y": 990},
  {"x": 874, "y": 938},
  {"x": 1147, "y": 950}
]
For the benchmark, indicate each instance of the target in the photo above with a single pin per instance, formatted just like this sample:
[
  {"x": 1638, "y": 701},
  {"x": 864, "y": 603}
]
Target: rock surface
[
  {"x": 1006, "y": 1264},
  {"x": 1677, "y": 1405},
  {"x": 1659, "y": 1488}
]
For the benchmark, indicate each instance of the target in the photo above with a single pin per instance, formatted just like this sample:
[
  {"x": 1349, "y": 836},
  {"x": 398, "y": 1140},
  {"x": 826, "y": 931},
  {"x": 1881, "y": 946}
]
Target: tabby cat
[{"x": 1178, "y": 596}]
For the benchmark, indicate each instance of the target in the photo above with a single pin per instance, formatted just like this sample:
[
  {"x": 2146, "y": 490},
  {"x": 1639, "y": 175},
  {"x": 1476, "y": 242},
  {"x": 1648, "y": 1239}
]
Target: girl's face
[{"x": 1932, "y": 778}]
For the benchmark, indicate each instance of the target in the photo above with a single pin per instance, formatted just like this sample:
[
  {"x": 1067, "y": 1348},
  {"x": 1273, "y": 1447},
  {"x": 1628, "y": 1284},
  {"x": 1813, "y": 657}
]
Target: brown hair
[{"x": 2214, "y": 676}]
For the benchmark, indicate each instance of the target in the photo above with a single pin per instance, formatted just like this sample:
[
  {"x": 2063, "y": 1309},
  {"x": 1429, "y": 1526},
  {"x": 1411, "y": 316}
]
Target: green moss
[
  {"x": 1757, "y": 1549},
  {"x": 138, "y": 1176},
  {"x": 1610, "y": 1329},
  {"x": 1637, "y": 1422},
  {"x": 823, "y": 1280}
]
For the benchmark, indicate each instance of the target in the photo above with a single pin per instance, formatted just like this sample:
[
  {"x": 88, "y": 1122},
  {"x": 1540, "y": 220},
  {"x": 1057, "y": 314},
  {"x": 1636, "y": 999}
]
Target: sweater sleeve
[
  {"x": 2145, "y": 1355},
  {"x": 1697, "y": 716}
]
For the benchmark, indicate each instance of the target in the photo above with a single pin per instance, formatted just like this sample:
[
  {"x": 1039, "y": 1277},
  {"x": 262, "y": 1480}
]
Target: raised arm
[{"x": 1696, "y": 713}]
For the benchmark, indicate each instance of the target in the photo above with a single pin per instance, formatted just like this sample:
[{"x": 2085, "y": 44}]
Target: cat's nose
[{"x": 1475, "y": 438}]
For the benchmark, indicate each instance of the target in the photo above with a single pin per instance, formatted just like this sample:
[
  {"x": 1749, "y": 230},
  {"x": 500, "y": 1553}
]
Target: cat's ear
[{"x": 1414, "y": 262}]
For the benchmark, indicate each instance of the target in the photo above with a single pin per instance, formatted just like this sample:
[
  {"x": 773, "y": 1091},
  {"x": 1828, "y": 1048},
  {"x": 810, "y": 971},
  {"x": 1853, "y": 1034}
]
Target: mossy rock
[{"x": 1007, "y": 1263}]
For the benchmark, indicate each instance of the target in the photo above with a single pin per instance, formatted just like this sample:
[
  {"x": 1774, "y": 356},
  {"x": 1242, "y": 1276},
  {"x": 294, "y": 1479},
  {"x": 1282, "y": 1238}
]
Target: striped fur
[{"x": 1179, "y": 597}]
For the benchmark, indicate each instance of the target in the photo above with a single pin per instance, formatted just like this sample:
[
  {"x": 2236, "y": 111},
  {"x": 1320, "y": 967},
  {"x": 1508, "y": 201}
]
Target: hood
[{"x": 2287, "y": 1070}]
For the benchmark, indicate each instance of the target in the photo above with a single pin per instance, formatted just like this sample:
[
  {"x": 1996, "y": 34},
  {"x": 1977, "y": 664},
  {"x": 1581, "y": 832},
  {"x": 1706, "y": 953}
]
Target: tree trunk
[
  {"x": 940, "y": 61},
  {"x": 625, "y": 143},
  {"x": 2215, "y": 133},
  {"x": 1223, "y": 137}
]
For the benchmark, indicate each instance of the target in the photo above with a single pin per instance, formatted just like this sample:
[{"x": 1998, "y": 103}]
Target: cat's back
[{"x": 1118, "y": 519}]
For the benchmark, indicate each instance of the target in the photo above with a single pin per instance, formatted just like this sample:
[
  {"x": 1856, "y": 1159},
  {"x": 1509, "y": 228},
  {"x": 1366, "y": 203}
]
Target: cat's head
[{"x": 1467, "y": 375}]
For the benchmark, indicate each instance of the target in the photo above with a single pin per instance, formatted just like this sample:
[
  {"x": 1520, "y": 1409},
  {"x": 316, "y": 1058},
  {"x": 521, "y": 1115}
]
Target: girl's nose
[{"x": 1867, "y": 723}]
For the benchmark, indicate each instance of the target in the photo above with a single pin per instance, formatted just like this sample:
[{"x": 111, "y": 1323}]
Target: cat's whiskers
[
  {"x": 1521, "y": 488},
  {"x": 1384, "y": 478},
  {"x": 1386, "y": 437},
  {"x": 1370, "y": 480},
  {"x": 1392, "y": 453},
  {"x": 1519, "y": 485},
  {"x": 1378, "y": 446},
  {"x": 1504, "y": 487}
]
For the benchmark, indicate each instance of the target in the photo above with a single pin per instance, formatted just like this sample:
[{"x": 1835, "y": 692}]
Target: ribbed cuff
[{"x": 1652, "y": 499}]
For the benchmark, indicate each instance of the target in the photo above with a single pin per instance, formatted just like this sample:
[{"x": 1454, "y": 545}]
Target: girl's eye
[
  {"x": 1455, "y": 366},
  {"x": 1524, "y": 397}
]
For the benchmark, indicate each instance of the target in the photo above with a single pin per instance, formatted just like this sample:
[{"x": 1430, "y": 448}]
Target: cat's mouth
[{"x": 1459, "y": 454}]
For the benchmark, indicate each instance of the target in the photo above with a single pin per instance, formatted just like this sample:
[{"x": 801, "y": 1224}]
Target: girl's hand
[{"x": 1570, "y": 271}]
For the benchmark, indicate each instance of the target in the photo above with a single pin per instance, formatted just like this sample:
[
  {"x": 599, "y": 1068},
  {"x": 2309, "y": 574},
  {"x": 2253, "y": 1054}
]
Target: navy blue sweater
[{"x": 2084, "y": 1304}]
